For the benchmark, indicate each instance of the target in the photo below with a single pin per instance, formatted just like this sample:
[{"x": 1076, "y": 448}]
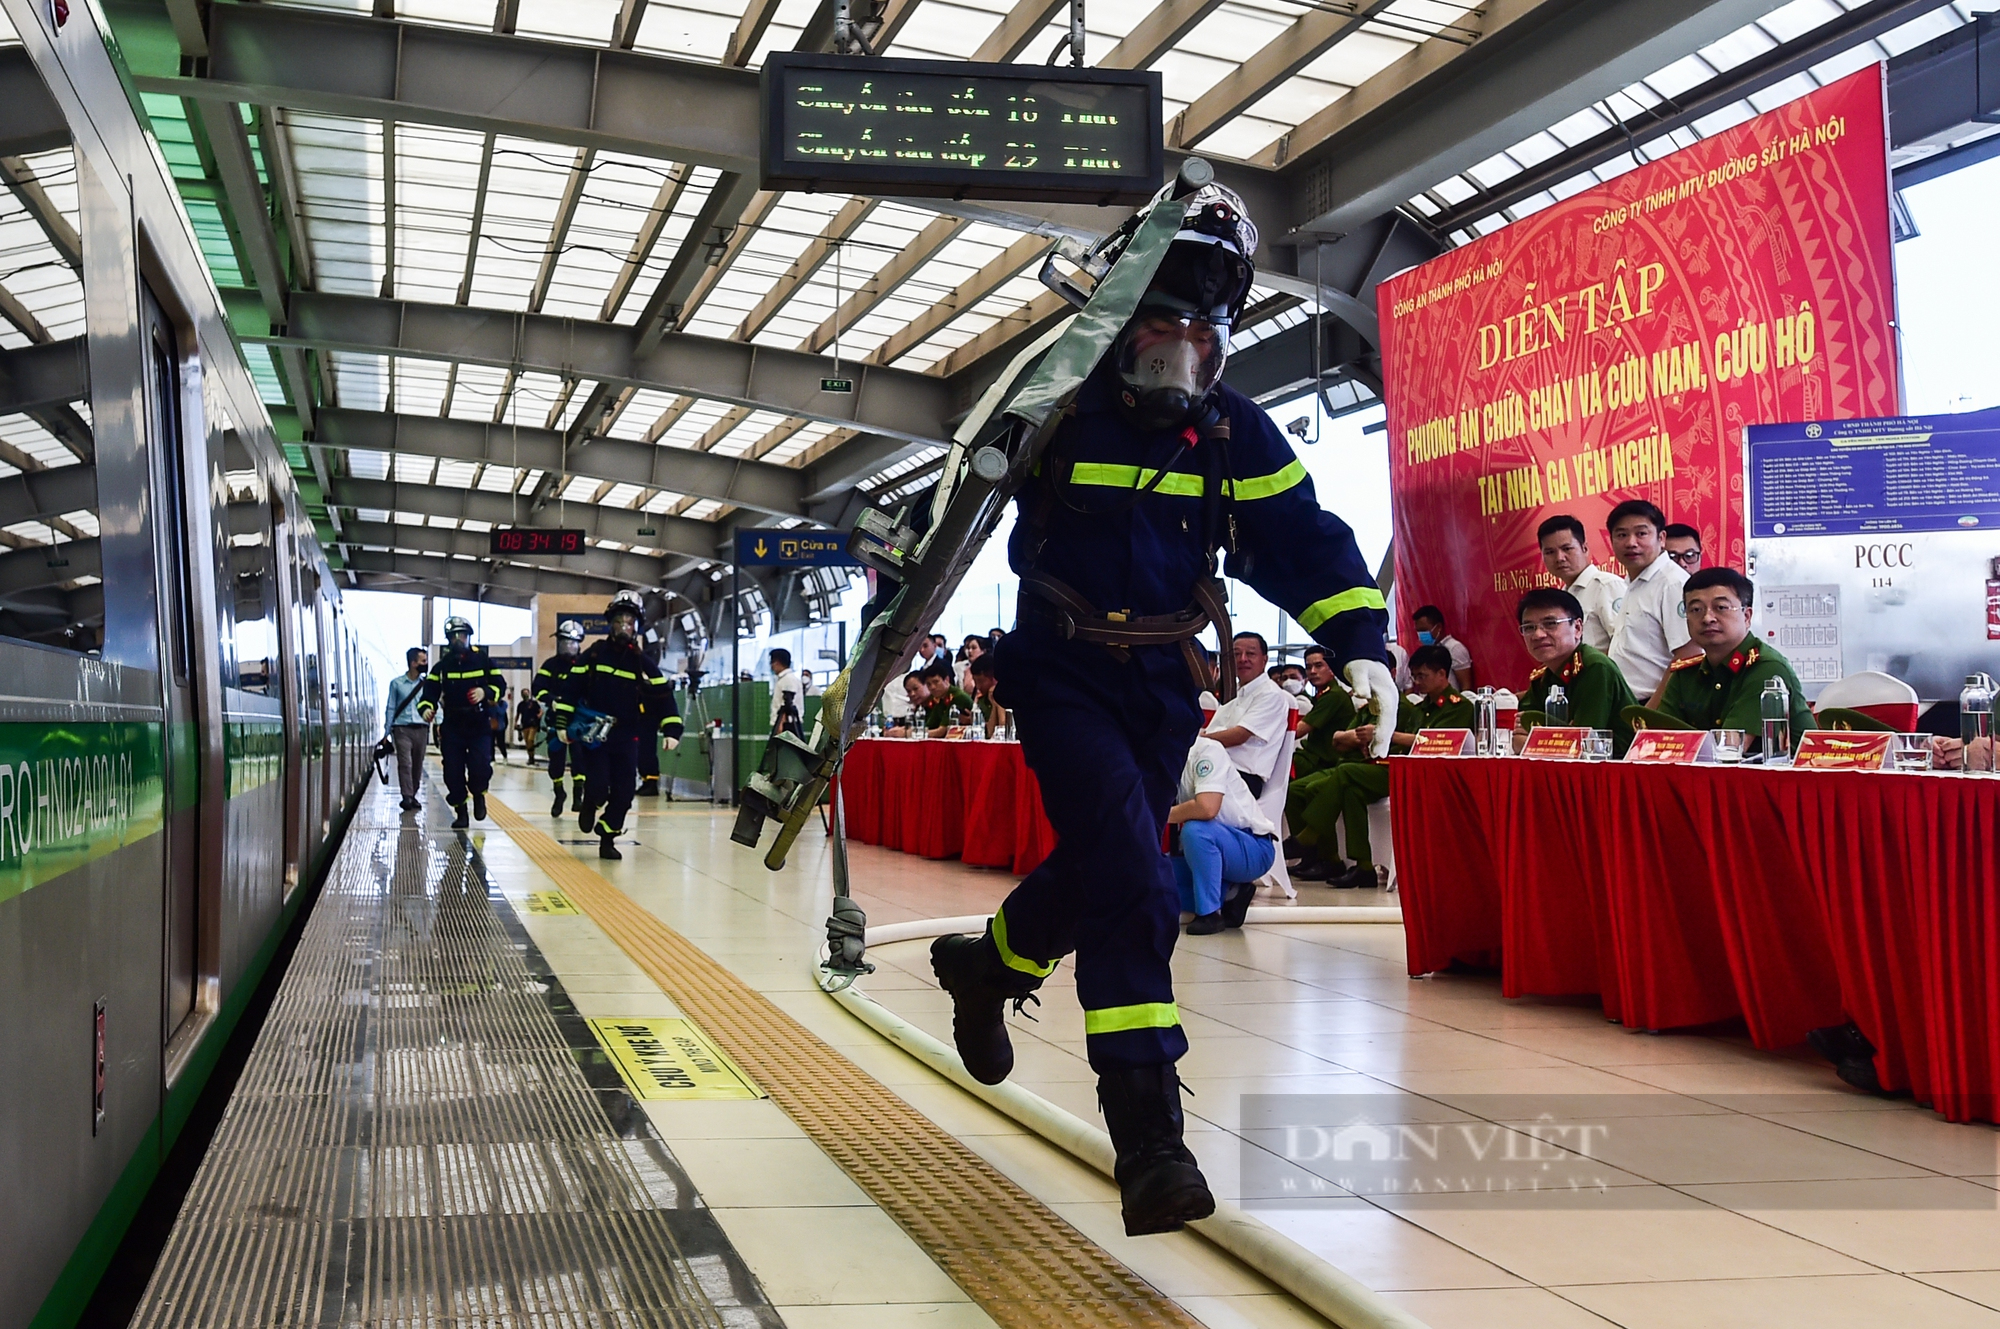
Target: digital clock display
[
  {"x": 524, "y": 540},
  {"x": 935, "y": 128}
]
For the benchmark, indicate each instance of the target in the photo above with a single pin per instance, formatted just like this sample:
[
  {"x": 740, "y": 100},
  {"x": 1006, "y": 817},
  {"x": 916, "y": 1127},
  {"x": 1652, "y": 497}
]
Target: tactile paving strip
[
  {"x": 412, "y": 1143},
  {"x": 1022, "y": 1264}
]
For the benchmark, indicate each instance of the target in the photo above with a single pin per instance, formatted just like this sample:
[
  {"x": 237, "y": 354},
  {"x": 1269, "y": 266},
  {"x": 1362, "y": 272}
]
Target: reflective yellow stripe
[
  {"x": 1263, "y": 486},
  {"x": 1319, "y": 611},
  {"x": 1178, "y": 483},
  {"x": 1146, "y": 1015},
  {"x": 615, "y": 673},
  {"x": 1007, "y": 956}
]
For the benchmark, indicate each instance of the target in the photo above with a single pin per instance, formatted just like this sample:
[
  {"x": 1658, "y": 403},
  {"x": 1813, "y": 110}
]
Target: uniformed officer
[
  {"x": 547, "y": 689},
  {"x": 1156, "y": 465},
  {"x": 465, "y": 683},
  {"x": 1343, "y": 800},
  {"x": 615, "y": 679},
  {"x": 1552, "y": 625},
  {"x": 1723, "y": 687}
]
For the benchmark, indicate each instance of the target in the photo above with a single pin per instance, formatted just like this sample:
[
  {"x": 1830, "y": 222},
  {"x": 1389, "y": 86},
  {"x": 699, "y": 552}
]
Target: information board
[
  {"x": 1614, "y": 344},
  {"x": 768, "y": 547},
  {"x": 1869, "y": 477},
  {"x": 954, "y": 129},
  {"x": 533, "y": 540}
]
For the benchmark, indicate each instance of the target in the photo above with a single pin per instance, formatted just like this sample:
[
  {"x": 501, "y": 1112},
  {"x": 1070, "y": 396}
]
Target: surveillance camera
[{"x": 1298, "y": 427}]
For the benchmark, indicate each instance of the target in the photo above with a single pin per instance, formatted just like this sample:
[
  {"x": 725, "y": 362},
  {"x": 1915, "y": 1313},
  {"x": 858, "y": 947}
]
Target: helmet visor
[
  {"x": 624, "y": 623},
  {"x": 1200, "y": 276},
  {"x": 1170, "y": 363}
]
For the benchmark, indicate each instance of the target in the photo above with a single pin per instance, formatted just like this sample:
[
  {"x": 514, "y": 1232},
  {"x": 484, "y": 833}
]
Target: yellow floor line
[{"x": 1021, "y": 1263}]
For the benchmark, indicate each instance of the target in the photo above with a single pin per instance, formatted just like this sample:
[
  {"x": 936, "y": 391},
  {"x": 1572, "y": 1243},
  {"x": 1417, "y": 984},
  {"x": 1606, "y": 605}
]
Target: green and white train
[{"x": 184, "y": 716}]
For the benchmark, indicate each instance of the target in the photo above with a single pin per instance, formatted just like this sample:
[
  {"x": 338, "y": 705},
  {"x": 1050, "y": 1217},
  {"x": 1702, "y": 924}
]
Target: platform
[{"x": 430, "y": 1132}]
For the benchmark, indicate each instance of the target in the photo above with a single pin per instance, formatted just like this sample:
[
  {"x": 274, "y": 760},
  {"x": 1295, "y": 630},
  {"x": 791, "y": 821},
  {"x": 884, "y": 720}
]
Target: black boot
[
  {"x": 649, "y": 786},
  {"x": 1314, "y": 868},
  {"x": 479, "y": 807},
  {"x": 1205, "y": 925},
  {"x": 461, "y": 821},
  {"x": 1361, "y": 876},
  {"x": 1852, "y": 1055},
  {"x": 1159, "y": 1186},
  {"x": 1235, "y": 908},
  {"x": 556, "y": 807},
  {"x": 607, "y": 847},
  {"x": 586, "y": 816},
  {"x": 970, "y": 969}
]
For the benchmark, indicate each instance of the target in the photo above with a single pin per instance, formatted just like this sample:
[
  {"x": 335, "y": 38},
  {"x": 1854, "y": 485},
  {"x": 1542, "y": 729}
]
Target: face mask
[
  {"x": 1294, "y": 686},
  {"x": 1426, "y": 639},
  {"x": 1167, "y": 366}
]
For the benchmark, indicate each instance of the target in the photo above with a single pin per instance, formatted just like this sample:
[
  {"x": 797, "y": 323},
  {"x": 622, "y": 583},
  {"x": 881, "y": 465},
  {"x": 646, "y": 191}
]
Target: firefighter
[
  {"x": 465, "y": 683},
  {"x": 548, "y": 690},
  {"x": 614, "y": 681},
  {"x": 1156, "y": 466}
]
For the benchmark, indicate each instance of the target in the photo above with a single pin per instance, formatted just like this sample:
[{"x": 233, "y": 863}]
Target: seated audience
[
  {"x": 916, "y": 700},
  {"x": 1552, "y": 629},
  {"x": 944, "y": 701},
  {"x": 1650, "y": 634},
  {"x": 1331, "y": 738},
  {"x": 1226, "y": 844},
  {"x": 991, "y": 713},
  {"x": 1683, "y": 545},
  {"x": 971, "y": 649},
  {"x": 1343, "y": 799},
  {"x": 1723, "y": 687},
  {"x": 1429, "y": 623},
  {"x": 1253, "y": 725},
  {"x": 1567, "y": 558},
  {"x": 1399, "y": 665}
]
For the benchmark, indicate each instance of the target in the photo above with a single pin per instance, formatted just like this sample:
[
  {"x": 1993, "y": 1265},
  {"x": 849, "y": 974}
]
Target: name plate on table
[
  {"x": 1442, "y": 743},
  {"x": 1671, "y": 747},
  {"x": 1556, "y": 742},
  {"x": 1841, "y": 750}
]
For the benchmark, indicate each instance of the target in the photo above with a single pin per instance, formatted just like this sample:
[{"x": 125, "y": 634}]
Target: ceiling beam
[
  {"x": 50, "y": 374},
  {"x": 1003, "y": 268},
  {"x": 430, "y": 574},
  {"x": 902, "y": 265},
  {"x": 677, "y": 535},
  {"x": 1445, "y": 106},
  {"x": 19, "y": 178},
  {"x": 1156, "y": 33},
  {"x": 1310, "y": 36},
  {"x": 31, "y": 569},
  {"x": 1018, "y": 26},
  {"x": 615, "y": 567},
  {"x": 777, "y": 490},
  {"x": 806, "y": 266},
  {"x": 913, "y": 406}
]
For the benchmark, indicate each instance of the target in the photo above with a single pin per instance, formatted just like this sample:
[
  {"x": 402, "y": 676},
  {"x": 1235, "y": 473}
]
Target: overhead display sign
[
  {"x": 953, "y": 129},
  {"x": 531, "y": 540},
  {"x": 791, "y": 548},
  {"x": 1615, "y": 345},
  {"x": 1867, "y": 477}
]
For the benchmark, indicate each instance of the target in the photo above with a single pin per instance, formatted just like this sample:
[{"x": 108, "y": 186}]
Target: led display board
[
  {"x": 523, "y": 540},
  {"x": 952, "y": 129}
]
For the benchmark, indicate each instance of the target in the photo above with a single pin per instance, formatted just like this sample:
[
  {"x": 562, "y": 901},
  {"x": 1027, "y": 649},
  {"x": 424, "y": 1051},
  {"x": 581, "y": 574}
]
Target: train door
[{"x": 177, "y": 546}]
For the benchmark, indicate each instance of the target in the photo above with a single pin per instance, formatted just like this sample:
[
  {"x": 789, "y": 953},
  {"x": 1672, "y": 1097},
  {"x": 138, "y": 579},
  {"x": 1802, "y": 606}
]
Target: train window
[
  {"x": 250, "y": 641},
  {"x": 51, "y": 571}
]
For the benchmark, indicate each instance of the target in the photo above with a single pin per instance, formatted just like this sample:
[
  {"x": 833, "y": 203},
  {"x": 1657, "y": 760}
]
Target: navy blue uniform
[
  {"x": 616, "y": 679},
  {"x": 556, "y": 713},
  {"x": 1107, "y": 737},
  {"x": 466, "y": 738}
]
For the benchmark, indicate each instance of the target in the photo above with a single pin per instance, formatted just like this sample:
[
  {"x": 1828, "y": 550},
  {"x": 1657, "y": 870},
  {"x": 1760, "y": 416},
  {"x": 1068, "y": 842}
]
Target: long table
[
  {"x": 1685, "y": 895},
  {"x": 947, "y": 798}
]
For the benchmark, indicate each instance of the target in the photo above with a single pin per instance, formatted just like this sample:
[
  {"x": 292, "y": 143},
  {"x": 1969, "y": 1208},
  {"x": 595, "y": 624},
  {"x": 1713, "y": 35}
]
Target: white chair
[
  {"x": 1875, "y": 694},
  {"x": 1272, "y": 804},
  {"x": 1381, "y": 841}
]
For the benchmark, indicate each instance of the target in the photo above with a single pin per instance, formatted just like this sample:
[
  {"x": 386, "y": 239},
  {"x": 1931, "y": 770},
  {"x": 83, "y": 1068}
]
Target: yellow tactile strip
[{"x": 1022, "y": 1264}]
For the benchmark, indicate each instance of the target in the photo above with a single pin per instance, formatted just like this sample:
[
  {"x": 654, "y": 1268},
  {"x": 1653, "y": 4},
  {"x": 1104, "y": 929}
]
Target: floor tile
[
  {"x": 1714, "y": 1147},
  {"x": 1866, "y": 1302},
  {"x": 721, "y": 1119},
  {"x": 1383, "y": 1250},
  {"x": 817, "y": 1257},
  {"x": 768, "y": 1172},
  {"x": 1959, "y": 1149},
  {"x": 1980, "y": 1286},
  {"x": 1497, "y": 1308},
  {"x": 918, "y": 1315},
  {"x": 1908, "y": 1225}
]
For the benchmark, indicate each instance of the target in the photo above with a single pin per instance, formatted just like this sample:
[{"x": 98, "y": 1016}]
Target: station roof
[{"x": 464, "y": 313}]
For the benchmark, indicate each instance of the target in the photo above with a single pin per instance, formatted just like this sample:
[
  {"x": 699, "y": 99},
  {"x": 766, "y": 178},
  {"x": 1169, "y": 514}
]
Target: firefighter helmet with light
[
  {"x": 626, "y": 605},
  {"x": 569, "y": 637},
  {"x": 455, "y": 627},
  {"x": 1170, "y": 354}
]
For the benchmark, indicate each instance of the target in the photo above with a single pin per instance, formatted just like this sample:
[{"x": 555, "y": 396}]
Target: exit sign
[{"x": 836, "y": 385}]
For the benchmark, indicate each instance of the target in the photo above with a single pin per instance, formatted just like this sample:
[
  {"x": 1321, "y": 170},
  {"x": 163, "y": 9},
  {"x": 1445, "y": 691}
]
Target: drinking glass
[
  {"x": 1911, "y": 752},
  {"x": 1728, "y": 745},
  {"x": 1597, "y": 745}
]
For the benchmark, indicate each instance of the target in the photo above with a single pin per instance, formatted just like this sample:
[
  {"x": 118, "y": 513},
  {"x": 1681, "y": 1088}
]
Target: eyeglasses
[
  {"x": 1687, "y": 558},
  {"x": 1548, "y": 625}
]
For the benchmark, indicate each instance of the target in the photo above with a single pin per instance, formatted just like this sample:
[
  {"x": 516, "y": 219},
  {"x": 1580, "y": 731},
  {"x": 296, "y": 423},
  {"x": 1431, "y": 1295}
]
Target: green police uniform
[
  {"x": 939, "y": 713},
  {"x": 1332, "y": 711},
  {"x": 1729, "y": 695},
  {"x": 1597, "y": 691},
  {"x": 1344, "y": 798}
]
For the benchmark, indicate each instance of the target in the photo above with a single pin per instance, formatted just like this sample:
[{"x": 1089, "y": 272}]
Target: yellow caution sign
[
  {"x": 664, "y": 1059},
  {"x": 550, "y": 902}
]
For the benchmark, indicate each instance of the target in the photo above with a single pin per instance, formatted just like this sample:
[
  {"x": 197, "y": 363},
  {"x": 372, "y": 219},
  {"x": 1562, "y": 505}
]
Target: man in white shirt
[
  {"x": 1652, "y": 629},
  {"x": 1253, "y": 725},
  {"x": 1567, "y": 557},
  {"x": 786, "y": 690},
  {"x": 929, "y": 651},
  {"x": 1226, "y": 843},
  {"x": 1429, "y": 623}
]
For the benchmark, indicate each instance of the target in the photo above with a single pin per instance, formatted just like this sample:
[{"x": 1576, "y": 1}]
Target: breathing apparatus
[
  {"x": 626, "y": 615},
  {"x": 1169, "y": 356},
  {"x": 456, "y": 628}
]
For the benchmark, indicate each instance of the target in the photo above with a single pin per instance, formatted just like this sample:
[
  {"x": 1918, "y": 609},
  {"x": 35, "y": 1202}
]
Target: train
[{"x": 186, "y": 717}]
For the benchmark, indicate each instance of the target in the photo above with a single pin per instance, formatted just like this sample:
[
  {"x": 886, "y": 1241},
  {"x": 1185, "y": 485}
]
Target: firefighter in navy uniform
[
  {"x": 547, "y": 689},
  {"x": 615, "y": 679},
  {"x": 465, "y": 683},
  {"x": 1156, "y": 467}
]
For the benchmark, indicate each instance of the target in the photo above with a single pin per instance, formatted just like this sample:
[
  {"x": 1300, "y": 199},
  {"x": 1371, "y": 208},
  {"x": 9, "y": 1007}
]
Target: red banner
[{"x": 1615, "y": 344}]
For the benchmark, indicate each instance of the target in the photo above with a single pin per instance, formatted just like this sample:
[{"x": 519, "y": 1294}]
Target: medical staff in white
[{"x": 1226, "y": 844}]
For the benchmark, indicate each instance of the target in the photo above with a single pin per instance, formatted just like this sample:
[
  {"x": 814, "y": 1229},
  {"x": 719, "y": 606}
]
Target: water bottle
[
  {"x": 1484, "y": 736},
  {"x": 1776, "y": 708},
  {"x": 977, "y": 729},
  {"x": 1975, "y": 722},
  {"x": 1556, "y": 706}
]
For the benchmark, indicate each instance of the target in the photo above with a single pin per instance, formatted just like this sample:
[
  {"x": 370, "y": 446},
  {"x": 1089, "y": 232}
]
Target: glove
[
  {"x": 1374, "y": 684},
  {"x": 672, "y": 744}
]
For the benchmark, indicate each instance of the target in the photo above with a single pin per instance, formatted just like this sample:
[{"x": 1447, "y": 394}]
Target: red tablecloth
[
  {"x": 1685, "y": 895},
  {"x": 947, "y": 799}
]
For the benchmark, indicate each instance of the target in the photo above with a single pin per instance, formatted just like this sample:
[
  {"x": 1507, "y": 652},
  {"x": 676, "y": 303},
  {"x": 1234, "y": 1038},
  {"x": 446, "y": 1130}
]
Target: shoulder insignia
[
  {"x": 1453, "y": 700},
  {"x": 1535, "y": 674},
  {"x": 1691, "y": 662},
  {"x": 1572, "y": 666}
]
